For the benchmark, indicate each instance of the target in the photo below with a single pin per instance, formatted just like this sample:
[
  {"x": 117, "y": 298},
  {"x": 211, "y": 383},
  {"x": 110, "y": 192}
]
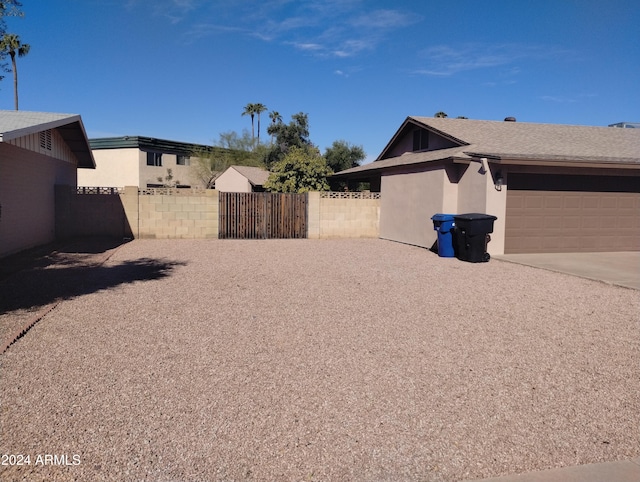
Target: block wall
[
  {"x": 344, "y": 215},
  {"x": 175, "y": 213}
]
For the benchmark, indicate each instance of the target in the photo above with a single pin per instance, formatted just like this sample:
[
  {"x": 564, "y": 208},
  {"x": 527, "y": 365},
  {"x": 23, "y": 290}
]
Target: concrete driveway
[{"x": 621, "y": 268}]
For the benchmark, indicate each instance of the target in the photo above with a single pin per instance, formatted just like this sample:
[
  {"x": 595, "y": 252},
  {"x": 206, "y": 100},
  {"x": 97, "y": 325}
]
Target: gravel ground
[{"x": 352, "y": 360}]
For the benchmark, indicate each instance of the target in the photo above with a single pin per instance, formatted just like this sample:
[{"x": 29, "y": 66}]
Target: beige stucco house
[
  {"x": 242, "y": 179},
  {"x": 37, "y": 152},
  {"x": 143, "y": 162},
  {"x": 553, "y": 188}
]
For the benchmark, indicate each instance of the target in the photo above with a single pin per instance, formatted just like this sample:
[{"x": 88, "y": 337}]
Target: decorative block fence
[{"x": 194, "y": 213}]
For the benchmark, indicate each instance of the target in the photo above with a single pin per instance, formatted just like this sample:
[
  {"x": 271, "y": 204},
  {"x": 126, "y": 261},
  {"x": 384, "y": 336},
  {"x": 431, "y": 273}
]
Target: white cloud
[
  {"x": 446, "y": 60},
  {"x": 324, "y": 28}
]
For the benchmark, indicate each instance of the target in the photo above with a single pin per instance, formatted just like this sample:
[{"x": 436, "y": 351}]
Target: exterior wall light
[{"x": 499, "y": 181}]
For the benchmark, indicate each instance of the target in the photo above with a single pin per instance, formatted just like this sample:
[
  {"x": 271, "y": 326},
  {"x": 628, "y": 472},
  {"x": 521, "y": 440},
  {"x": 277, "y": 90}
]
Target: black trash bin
[{"x": 472, "y": 235}]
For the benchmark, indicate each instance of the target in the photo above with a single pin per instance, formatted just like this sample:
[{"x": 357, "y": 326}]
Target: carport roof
[
  {"x": 515, "y": 142},
  {"x": 15, "y": 124}
]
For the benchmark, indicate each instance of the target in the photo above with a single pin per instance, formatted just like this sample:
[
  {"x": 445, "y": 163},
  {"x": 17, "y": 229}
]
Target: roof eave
[{"x": 554, "y": 161}]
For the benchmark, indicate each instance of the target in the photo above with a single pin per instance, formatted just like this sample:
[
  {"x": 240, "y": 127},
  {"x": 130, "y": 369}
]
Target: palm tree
[
  {"x": 259, "y": 109},
  {"x": 275, "y": 117},
  {"x": 11, "y": 44},
  {"x": 250, "y": 109}
]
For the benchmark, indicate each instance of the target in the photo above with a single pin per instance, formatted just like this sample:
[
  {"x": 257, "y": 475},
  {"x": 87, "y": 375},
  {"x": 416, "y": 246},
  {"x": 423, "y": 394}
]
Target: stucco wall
[
  {"x": 114, "y": 168},
  {"x": 412, "y": 197},
  {"x": 232, "y": 181},
  {"x": 408, "y": 201},
  {"x": 128, "y": 167},
  {"x": 27, "y": 197},
  {"x": 182, "y": 175},
  {"x": 477, "y": 194}
]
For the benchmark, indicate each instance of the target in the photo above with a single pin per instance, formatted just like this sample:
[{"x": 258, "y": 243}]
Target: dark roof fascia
[
  {"x": 75, "y": 136},
  {"x": 71, "y": 129},
  {"x": 550, "y": 160},
  {"x": 371, "y": 169},
  {"x": 150, "y": 144}
]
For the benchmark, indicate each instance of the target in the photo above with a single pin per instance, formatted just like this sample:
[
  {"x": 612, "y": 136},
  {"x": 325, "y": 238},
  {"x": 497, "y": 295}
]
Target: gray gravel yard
[{"x": 332, "y": 360}]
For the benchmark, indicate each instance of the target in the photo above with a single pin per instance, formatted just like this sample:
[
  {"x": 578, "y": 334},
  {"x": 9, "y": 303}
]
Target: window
[
  {"x": 183, "y": 160},
  {"x": 154, "y": 159},
  {"x": 45, "y": 139},
  {"x": 420, "y": 140}
]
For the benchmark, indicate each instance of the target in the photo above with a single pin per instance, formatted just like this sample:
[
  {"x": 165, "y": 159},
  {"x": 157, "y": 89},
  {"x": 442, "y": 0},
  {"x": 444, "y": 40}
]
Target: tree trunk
[{"x": 15, "y": 78}]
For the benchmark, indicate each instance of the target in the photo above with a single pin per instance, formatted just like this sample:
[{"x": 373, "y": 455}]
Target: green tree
[
  {"x": 302, "y": 169},
  {"x": 440, "y": 114},
  {"x": 8, "y": 8},
  {"x": 231, "y": 149},
  {"x": 342, "y": 155},
  {"x": 10, "y": 43},
  {"x": 294, "y": 134}
]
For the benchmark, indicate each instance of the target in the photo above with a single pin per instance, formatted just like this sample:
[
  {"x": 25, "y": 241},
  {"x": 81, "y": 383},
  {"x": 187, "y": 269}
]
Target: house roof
[
  {"x": 151, "y": 144},
  {"x": 516, "y": 142},
  {"x": 15, "y": 124},
  {"x": 256, "y": 175}
]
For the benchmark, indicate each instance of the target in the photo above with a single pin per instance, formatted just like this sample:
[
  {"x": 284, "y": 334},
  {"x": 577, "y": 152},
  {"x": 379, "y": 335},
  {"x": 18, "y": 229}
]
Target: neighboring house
[
  {"x": 37, "y": 152},
  {"x": 554, "y": 188},
  {"x": 143, "y": 162},
  {"x": 242, "y": 179}
]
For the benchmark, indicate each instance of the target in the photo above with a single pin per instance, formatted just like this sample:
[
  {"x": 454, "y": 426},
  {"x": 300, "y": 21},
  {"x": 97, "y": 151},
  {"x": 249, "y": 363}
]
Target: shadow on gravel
[{"x": 68, "y": 277}]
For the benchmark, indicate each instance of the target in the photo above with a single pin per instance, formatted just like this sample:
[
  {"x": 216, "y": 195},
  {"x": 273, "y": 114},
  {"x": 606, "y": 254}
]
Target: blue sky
[{"x": 184, "y": 69}]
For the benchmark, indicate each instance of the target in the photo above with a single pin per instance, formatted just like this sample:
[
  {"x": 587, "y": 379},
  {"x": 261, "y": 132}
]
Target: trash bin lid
[
  {"x": 474, "y": 217},
  {"x": 442, "y": 217}
]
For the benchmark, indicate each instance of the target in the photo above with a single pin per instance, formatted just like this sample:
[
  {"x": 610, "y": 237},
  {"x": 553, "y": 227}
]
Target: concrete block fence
[{"x": 193, "y": 213}]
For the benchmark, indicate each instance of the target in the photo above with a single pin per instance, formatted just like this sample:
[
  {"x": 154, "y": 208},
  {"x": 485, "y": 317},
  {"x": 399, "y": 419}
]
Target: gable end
[{"x": 413, "y": 136}]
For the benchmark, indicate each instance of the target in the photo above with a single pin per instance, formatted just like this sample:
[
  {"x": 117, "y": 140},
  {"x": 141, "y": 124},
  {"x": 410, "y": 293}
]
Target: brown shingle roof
[
  {"x": 538, "y": 141},
  {"x": 256, "y": 175},
  {"x": 519, "y": 141}
]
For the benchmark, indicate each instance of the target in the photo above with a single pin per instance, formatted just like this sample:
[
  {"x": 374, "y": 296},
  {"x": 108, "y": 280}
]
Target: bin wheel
[{"x": 486, "y": 257}]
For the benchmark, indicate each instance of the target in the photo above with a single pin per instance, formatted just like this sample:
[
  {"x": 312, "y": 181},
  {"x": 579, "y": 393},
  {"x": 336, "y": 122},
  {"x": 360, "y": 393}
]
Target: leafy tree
[
  {"x": 302, "y": 169},
  {"x": 294, "y": 134},
  {"x": 440, "y": 114},
  {"x": 231, "y": 150},
  {"x": 342, "y": 155},
  {"x": 10, "y": 43}
]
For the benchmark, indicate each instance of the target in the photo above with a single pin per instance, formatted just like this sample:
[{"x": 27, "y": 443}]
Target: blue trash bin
[{"x": 444, "y": 224}]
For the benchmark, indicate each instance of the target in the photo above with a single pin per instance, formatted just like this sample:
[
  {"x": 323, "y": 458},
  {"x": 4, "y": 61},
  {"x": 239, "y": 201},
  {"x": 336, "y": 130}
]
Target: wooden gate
[{"x": 262, "y": 215}]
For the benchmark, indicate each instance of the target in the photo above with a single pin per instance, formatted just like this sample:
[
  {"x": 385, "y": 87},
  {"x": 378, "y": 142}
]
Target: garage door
[{"x": 559, "y": 214}]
